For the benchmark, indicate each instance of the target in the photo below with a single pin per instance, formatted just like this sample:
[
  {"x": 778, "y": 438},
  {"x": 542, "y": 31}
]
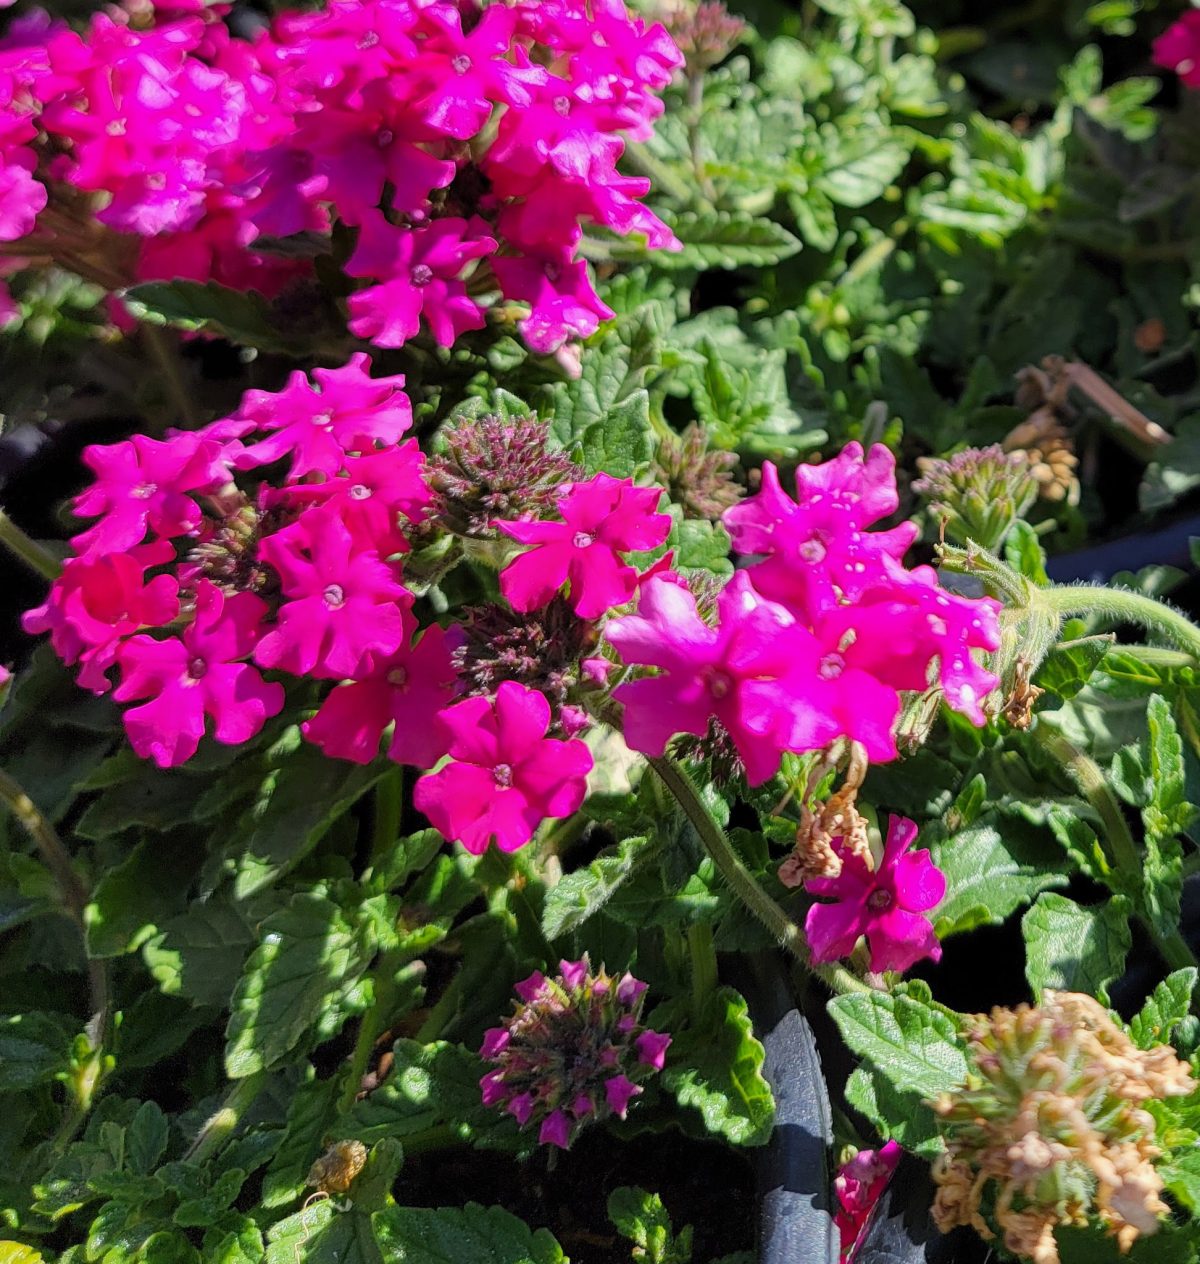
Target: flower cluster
[
  {"x": 574, "y": 1051},
  {"x": 813, "y": 642},
  {"x": 978, "y": 494},
  {"x": 440, "y": 134},
  {"x": 859, "y": 1185},
  {"x": 1049, "y": 1129}
]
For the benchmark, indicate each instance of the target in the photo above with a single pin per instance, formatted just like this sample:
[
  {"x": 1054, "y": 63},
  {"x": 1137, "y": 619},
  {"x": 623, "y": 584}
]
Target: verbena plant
[{"x": 505, "y": 634}]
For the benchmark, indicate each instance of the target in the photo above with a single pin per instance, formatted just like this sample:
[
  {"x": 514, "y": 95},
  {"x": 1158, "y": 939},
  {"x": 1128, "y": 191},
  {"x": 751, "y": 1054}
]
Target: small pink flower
[
  {"x": 602, "y": 518},
  {"x": 618, "y": 1093},
  {"x": 407, "y": 689},
  {"x": 97, "y": 602},
  {"x": 652, "y": 1049},
  {"x": 343, "y": 602},
  {"x": 143, "y": 484},
  {"x": 200, "y": 675},
  {"x": 1178, "y": 48},
  {"x": 859, "y": 1185},
  {"x": 562, "y": 302},
  {"x": 885, "y": 905},
  {"x": 508, "y": 776}
]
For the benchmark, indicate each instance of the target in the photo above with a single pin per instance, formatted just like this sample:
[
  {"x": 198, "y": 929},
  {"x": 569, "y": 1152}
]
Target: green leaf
[
  {"x": 304, "y": 972},
  {"x": 912, "y": 1052},
  {"x": 1168, "y": 1005},
  {"x": 993, "y": 868},
  {"x": 200, "y": 955},
  {"x": 585, "y": 891},
  {"x": 136, "y": 896},
  {"x": 620, "y": 443},
  {"x": 1181, "y": 1176},
  {"x": 725, "y": 239},
  {"x": 715, "y": 1065},
  {"x": 319, "y": 1234},
  {"x": 430, "y": 1086},
  {"x": 1166, "y": 816},
  {"x": 34, "y": 1048},
  {"x": 146, "y": 1139},
  {"x": 240, "y": 315},
  {"x": 309, "y": 1116},
  {"x": 641, "y": 1217},
  {"x": 858, "y": 165},
  {"x": 453, "y": 1235},
  {"x": 1073, "y": 948},
  {"x": 1067, "y": 668}
]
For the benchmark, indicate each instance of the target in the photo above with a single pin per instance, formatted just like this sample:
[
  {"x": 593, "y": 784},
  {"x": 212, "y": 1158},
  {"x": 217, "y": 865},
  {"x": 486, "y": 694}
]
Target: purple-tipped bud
[
  {"x": 555, "y": 1130},
  {"x": 573, "y": 973},
  {"x": 529, "y": 988},
  {"x": 630, "y": 990},
  {"x": 495, "y": 1041},
  {"x": 652, "y": 1048},
  {"x": 596, "y": 670},
  {"x": 572, "y": 1052},
  {"x": 492, "y": 1085},
  {"x": 573, "y": 720},
  {"x": 520, "y": 1108},
  {"x": 618, "y": 1093}
]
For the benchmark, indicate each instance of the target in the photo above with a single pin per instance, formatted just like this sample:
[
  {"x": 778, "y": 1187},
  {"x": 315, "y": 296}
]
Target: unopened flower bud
[{"x": 978, "y": 494}]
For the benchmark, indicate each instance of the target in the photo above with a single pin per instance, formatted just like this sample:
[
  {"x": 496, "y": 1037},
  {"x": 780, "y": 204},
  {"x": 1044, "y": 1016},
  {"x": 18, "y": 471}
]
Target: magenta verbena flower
[
  {"x": 99, "y": 601},
  {"x": 406, "y": 690},
  {"x": 198, "y": 675},
  {"x": 859, "y": 1185},
  {"x": 886, "y": 904},
  {"x": 343, "y": 602},
  {"x": 145, "y": 485},
  {"x": 574, "y": 1051},
  {"x": 506, "y": 775},
  {"x": 601, "y": 519},
  {"x": 1178, "y": 48}
]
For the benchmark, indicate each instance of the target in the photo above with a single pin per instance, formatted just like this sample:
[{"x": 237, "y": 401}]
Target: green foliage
[
  {"x": 1075, "y": 949},
  {"x": 641, "y": 1217}
]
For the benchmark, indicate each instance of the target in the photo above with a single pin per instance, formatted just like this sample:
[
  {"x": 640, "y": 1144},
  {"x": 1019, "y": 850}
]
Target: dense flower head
[
  {"x": 858, "y": 1185},
  {"x": 886, "y": 903},
  {"x": 816, "y": 639},
  {"x": 1049, "y": 1128},
  {"x": 601, "y": 519},
  {"x": 505, "y": 776},
  {"x": 574, "y": 1052},
  {"x": 440, "y": 136}
]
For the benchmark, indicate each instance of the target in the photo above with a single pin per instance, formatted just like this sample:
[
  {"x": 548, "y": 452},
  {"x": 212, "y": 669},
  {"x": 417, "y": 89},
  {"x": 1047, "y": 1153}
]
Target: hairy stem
[
  {"x": 704, "y": 965},
  {"x": 164, "y": 350},
  {"x": 28, "y": 550},
  {"x": 743, "y": 882},
  {"x": 1156, "y": 617},
  {"x": 220, "y": 1125}
]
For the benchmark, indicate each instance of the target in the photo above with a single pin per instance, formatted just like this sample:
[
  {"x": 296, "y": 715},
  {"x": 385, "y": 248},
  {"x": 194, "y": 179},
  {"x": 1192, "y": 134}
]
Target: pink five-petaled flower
[
  {"x": 859, "y": 1184},
  {"x": 885, "y": 905},
  {"x": 143, "y": 484},
  {"x": 199, "y": 675},
  {"x": 1178, "y": 48},
  {"x": 343, "y": 601},
  {"x": 602, "y": 518},
  {"x": 507, "y": 775},
  {"x": 407, "y": 689},
  {"x": 418, "y": 270},
  {"x": 769, "y": 683}
]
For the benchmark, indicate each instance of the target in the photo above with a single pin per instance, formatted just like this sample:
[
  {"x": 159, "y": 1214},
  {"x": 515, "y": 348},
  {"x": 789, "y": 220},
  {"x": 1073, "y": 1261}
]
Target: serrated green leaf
[
  {"x": 319, "y": 1234},
  {"x": 581, "y": 893},
  {"x": 240, "y": 315},
  {"x": 1067, "y": 668},
  {"x": 725, "y": 239},
  {"x": 135, "y": 897},
  {"x": 911, "y": 1051},
  {"x": 992, "y": 869},
  {"x": 859, "y": 164},
  {"x": 1073, "y": 948},
  {"x": 1166, "y": 816},
  {"x": 453, "y": 1235},
  {"x": 200, "y": 954},
  {"x": 34, "y": 1048},
  {"x": 1169, "y": 1004},
  {"x": 715, "y": 1065},
  {"x": 146, "y": 1139},
  {"x": 303, "y": 974},
  {"x": 641, "y": 1217},
  {"x": 311, "y": 1111},
  {"x": 1181, "y": 1175}
]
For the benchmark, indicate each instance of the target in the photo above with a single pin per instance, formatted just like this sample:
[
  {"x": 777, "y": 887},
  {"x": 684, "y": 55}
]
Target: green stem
[
  {"x": 743, "y": 882},
  {"x": 375, "y": 1021},
  {"x": 388, "y": 806},
  {"x": 219, "y": 1126},
  {"x": 164, "y": 350},
  {"x": 1089, "y": 778},
  {"x": 704, "y": 966},
  {"x": 663, "y": 177},
  {"x": 28, "y": 550},
  {"x": 1156, "y": 617}
]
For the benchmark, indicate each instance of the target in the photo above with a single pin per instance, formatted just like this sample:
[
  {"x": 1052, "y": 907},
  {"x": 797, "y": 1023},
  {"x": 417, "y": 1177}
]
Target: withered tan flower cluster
[{"x": 1049, "y": 1128}]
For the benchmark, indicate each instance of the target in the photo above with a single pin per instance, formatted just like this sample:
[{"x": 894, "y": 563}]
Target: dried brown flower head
[{"x": 1047, "y": 1130}]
